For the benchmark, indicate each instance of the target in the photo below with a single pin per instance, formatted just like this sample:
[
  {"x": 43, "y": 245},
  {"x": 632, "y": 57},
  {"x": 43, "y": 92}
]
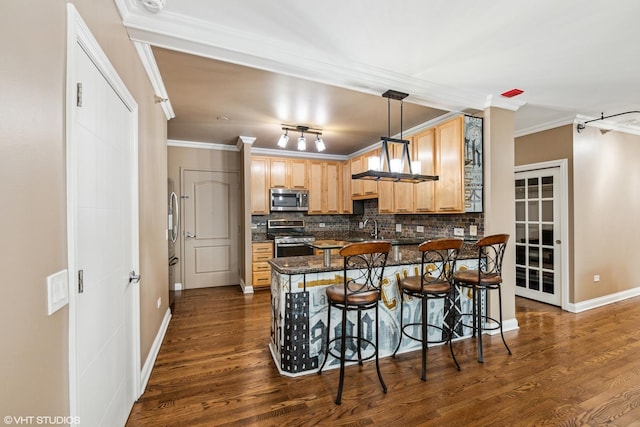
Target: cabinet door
[
  {"x": 331, "y": 187},
  {"x": 424, "y": 146},
  {"x": 278, "y": 173},
  {"x": 315, "y": 187},
  {"x": 346, "y": 206},
  {"x": 369, "y": 187},
  {"x": 298, "y": 173},
  {"x": 402, "y": 191},
  {"x": 450, "y": 158},
  {"x": 259, "y": 185},
  {"x": 356, "y": 184}
]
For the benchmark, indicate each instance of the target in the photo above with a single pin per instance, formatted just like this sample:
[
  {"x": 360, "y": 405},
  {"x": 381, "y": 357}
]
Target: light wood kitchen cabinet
[
  {"x": 298, "y": 173},
  {"x": 440, "y": 152},
  {"x": 363, "y": 188},
  {"x": 424, "y": 149},
  {"x": 259, "y": 185},
  {"x": 315, "y": 187},
  {"x": 346, "y": 206},
  {"x": 261, "y": 253},
  {"x": 450, "y": 166},
  {"x": 332, "y": 181},
  {"x": 324, "y": 187},
  {"x": 402, "y": 191},
  {"x": 287, "y": 173}
]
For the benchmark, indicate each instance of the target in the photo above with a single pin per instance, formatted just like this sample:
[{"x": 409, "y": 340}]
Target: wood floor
[{"x": 215, "y": 369}]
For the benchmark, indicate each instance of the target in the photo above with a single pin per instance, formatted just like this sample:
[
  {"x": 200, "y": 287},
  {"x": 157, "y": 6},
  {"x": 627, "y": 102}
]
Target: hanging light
[
  {"x": 394, "y": 167},
  {"x": 284, "y": 138},
  {"x": 302, "y": 141}
]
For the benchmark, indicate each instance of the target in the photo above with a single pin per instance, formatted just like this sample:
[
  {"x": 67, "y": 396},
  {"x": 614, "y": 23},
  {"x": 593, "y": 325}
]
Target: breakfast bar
[{"x": 299, "y": 306}]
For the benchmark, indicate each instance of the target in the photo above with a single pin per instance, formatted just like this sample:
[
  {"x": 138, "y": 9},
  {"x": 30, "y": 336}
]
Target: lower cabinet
[{"x": 261, "y": 253}]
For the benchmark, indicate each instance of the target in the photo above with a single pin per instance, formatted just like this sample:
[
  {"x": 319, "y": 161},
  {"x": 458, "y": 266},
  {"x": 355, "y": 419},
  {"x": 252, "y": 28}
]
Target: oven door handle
[{"x": 290, "y": 245}]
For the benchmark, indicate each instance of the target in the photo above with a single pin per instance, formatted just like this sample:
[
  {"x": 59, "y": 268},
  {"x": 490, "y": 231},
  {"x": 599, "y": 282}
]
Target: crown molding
[
  {"x": 201, "y": 145},
  {"x": 153, "y": 72},
  {"x": 276, "y": 152},
  {"x": 545, "y": 126},
  {"x": 197, "y": 37}
]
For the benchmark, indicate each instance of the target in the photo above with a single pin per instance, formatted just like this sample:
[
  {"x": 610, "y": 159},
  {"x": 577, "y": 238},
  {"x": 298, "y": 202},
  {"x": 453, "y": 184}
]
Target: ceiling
[{"x": 243, "y": 69}]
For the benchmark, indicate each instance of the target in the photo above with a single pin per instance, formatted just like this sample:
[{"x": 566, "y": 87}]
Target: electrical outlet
[
  {"x": 420, "y": 229},
  {"x": 458, "y": 231},
  {"x": 596, "y": 278},
  {"x": 361, "y": 224},
  {"x": 321, "y": 225},
  {"x": 398, "y": 228},
  {"x": 473, "y": 230}
]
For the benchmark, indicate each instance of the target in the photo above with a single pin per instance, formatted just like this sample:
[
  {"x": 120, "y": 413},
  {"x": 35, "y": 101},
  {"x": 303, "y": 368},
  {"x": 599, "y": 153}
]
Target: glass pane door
[{"x": 538, "y": 259}]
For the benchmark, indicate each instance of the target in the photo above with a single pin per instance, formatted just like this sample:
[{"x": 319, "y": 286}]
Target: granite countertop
[{"x": 405, "y": 254}]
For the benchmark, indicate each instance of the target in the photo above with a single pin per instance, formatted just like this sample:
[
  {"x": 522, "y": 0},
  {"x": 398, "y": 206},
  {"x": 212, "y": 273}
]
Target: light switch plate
[
  {"x": 420, "y": 229},
  {"x": 473, "y": 230},
  {"x": 458, "y": 231},
  {"x": 321, "y": 225},
  {"x": 57, "y": 291},
  {"x": 398, "y": 227}
]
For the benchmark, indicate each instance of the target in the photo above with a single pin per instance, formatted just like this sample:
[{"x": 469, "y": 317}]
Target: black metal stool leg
[
  {"x": 343, "y": 353},
  {"x": 384, "y": 386},
  {"x": 500, "y": 306},
  {"x": 423, "y": 376},
  {"x": 401, "y": 322},
  {"x": 479, "y": 324}
]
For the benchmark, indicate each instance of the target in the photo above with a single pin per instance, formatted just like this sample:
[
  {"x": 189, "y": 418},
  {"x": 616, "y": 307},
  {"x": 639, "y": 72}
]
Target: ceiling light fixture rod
[
  {"x": 580, "y": 126},
  {"x": 302, "y": 142}
]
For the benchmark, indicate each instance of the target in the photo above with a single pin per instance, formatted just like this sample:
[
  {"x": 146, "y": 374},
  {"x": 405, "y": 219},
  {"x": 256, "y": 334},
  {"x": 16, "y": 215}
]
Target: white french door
[{"x": 539, "y": 234}]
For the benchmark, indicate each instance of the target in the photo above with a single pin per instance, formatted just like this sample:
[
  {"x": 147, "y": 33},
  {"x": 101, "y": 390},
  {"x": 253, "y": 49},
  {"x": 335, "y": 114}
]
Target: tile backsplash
[{"x": 434, "y": 226}]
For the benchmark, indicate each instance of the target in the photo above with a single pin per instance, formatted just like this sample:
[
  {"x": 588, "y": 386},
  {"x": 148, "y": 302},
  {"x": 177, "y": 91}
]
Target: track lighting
[
  {"x": 302, "y": 141},
  {"x": 581, "y": 126}
]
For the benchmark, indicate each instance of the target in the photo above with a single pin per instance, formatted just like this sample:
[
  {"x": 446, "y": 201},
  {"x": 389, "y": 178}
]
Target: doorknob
[
  {"x": 190, "y": 236},
  {"x": 558, "y": 242},
  {"x": 133, "y": 277}
]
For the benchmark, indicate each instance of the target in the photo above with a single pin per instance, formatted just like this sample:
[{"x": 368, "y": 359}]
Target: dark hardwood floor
[{"x": 215, "y": 369}]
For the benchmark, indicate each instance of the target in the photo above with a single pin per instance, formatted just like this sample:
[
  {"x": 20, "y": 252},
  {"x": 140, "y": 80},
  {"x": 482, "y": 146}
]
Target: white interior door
[
  {"x": 104, "y": 356},
  {"x": 211, "y": 228},
  {"x": 538, "y": 235}
]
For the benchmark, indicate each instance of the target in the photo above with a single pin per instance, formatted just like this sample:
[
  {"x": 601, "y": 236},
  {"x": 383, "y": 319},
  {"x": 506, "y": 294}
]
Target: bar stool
[
  {"x": 363, "y": 270},
  {"x": 434, "y": 282},
  {"x": 488, "y": 277}
]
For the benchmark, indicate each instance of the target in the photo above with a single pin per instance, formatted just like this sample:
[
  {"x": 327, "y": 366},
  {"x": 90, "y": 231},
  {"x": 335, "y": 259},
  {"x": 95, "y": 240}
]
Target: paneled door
[
  {"x": 102, "y": 218},
  {"x": 538, "y": 235},
  {"x": 211, "y": 228}
]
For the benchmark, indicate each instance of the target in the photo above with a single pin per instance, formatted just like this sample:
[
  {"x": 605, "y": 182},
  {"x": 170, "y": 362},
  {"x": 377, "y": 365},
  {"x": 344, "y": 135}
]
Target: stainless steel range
[{"x": 289, "y": 238}]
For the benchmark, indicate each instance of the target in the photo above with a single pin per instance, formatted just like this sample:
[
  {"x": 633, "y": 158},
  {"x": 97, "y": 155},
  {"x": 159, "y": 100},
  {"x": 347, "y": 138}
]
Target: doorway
[
  {"x": 211, "y": 206},
  {"x": 102, "y": 234},
  {"x": 541, "y": 232}
]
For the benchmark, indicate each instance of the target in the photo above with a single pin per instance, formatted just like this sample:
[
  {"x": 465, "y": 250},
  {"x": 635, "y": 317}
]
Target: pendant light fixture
[
  {"x": 394, "y": 167},
  {"x": 302, "y": 140}
]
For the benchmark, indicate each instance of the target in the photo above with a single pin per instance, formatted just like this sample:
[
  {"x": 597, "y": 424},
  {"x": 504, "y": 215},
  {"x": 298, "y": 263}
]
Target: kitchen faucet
[{"x": 374, "y": 233}]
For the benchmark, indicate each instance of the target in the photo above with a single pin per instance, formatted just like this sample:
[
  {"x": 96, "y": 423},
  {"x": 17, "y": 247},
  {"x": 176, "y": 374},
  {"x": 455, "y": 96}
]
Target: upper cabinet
[
  {"x": 325, "y": 189},
  {"x": 288, "y": 173},
  {"x": 259, "y": 185},
  {"x": 450, "y": 166},
  {"x": 363, "y": 188}
]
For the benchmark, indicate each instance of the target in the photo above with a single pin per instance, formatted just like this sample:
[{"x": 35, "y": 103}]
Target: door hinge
[
  {"x": 79, "y": 94},
  {"x": 80, "y": 281},
  {"x": 184, "y": 196}
]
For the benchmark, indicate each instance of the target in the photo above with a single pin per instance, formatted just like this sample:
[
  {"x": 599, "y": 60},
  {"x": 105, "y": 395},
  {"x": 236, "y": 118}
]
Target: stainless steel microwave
[{"x": 283, "y": 199}]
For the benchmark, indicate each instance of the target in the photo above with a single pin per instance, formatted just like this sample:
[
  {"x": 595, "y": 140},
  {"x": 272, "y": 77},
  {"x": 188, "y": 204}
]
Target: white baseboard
[
  {"x": 177, "y": 286},
  {"x": 247, "y": 289},
  {"x": 153, "y": 353},
  {"x": 603, "y": 300},
  {"x": 507, "y": 325}
]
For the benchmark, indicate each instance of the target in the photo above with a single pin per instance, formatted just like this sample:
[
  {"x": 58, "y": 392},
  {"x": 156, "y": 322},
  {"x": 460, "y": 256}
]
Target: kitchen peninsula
[{"x": 299, "y": 306}]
